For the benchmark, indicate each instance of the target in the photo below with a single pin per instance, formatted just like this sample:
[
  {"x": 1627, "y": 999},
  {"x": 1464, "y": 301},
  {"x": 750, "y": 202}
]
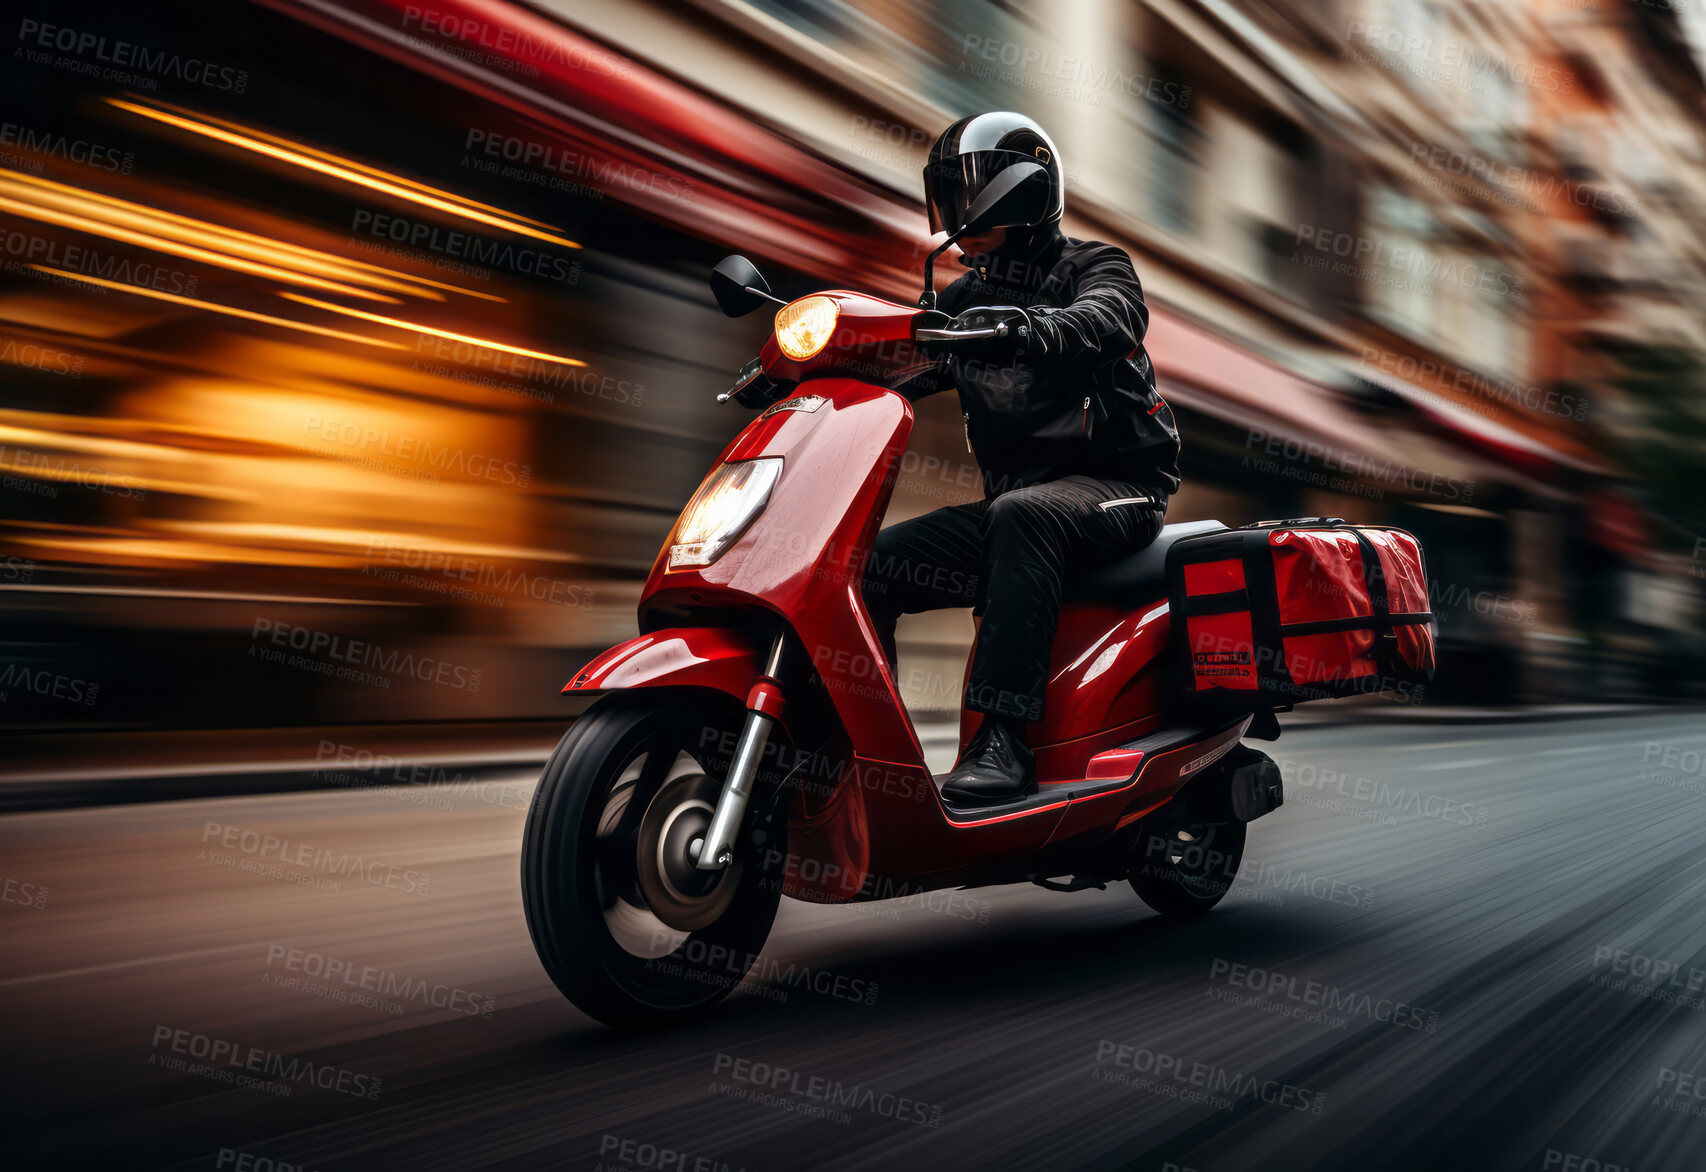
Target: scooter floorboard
[{"x": 1151, "y": 746}]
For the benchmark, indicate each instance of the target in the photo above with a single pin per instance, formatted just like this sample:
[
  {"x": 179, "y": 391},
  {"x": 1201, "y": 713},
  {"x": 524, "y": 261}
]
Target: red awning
[
  {"x": 1201, "y": 370},
  {"x": 1488, "y": 435}
]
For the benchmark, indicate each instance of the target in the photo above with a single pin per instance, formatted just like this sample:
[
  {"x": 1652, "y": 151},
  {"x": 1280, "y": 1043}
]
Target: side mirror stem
[
  {"x": 771, "y": 297},
  {"x": 927, "y": 300},
  {"x": 979, "y": 215}
]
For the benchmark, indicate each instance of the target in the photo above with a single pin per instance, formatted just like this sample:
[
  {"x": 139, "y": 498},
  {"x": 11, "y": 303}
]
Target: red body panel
[
  {"x": 1113, "y": 765},
  {"x": 872, "y": 341},
  {"x": 1158, "y": 778},
  {"x": 804, "y": 556},
  {"x": 1106, "y": 676},
  {"x": 704, "y": 657}
]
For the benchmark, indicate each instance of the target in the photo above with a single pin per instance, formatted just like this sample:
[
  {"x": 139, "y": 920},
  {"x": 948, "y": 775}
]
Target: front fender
[{"x": 703, "y": 657}]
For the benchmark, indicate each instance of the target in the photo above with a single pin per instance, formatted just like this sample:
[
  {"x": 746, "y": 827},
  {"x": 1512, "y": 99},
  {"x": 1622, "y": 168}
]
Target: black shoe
[{"x": 996, "y": 767}]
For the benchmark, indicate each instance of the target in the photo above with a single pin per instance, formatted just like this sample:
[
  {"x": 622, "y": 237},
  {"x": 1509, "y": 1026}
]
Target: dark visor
[{"x": 951, "y": 184}]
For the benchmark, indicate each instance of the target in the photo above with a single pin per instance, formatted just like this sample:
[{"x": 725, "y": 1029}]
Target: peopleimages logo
[
  {"x": 31, "y": 895},
  {"x": 1496, "y": 391},
  {"x": 1379, "y": 794},
  {"x": 1681, "y": 1091},
  {"x": 238, "y": 1161},
  {"x": 1282, "y": 987},
  {"x": 833, "y": 1093},
  {"x": 260, "y": 847},
  {"x": 477, "y": 250},
  {"x": 512, "y": 582},
  {"x": 1559, "y": 1161},
  {"x": 348, "y": 982},
  {"x": 224, "y": 1058},
  {"x": 358, "y": 653},
  {"x": 44, "y": 682},
  {"x": 1414, "y": 261},
  {"x": 631, "y": 1153},
  {"x": 510, "y": 44},
  {"x": 1169, "y": 1074},
  {"x": 1378, "y": 470},
  {"x": 1523, "y": 181},
  {"x": 553, "y": 161},
  {"x": 42, "y": 358},
  {"x": 1450, "y": 55},
  {"x": 717, "y": 964},
  {"x": 1671, "y": 981},
  {"x": 368, "y": 442},
  {"x": 96, "y": 48},
  {"x": 1067, "y": 71},
  {"x": 62, "y": 146},
  {"x": 89, "y": 262}
]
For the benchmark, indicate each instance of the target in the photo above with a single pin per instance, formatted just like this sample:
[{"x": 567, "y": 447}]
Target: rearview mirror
[{"x": 739, "y": 287}]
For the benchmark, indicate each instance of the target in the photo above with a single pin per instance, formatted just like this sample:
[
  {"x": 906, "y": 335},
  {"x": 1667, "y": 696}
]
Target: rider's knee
[{"x": 1016, "y": 511}]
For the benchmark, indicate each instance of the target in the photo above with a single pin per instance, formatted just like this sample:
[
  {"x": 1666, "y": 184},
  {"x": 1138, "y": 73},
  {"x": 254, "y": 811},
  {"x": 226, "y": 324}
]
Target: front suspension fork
[{"x": 763, "y": 708}]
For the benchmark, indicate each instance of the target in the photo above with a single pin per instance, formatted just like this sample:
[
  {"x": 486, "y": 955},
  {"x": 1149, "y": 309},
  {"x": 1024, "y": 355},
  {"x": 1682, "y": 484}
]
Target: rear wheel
[
  {"x": 626, "y": 925},
  {"x": 1182, "y": 865}
]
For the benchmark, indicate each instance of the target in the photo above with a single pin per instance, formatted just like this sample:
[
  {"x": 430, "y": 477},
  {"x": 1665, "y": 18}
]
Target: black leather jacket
[{"x": 1082, "y": 401}]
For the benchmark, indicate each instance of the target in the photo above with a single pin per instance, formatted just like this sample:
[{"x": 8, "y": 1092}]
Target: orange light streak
[
  {"x": 215, "y": 307},
  {"x": 398, "y": 323},
  {"x": 347, "y": 170},
  {"x": 155, "y": 228}
]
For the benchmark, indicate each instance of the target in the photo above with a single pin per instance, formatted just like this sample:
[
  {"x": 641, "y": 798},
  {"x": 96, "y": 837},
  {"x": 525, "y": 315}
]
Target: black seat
[{"x": 1136, "y": 577}]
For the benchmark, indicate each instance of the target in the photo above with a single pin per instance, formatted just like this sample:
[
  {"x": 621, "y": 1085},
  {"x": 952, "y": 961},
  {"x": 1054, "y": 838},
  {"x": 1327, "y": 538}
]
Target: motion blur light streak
[
  {"x": 59, "y": 433},
  {"x": 100, "y": 216},
  {"x": 194, "y": 303},
  {"x": 152, "y": 221},
  {"x": 211, "y": 595},
  {"x": 487, "y": 343},
  {"x": 362, "y": 542},
  {"x": 302, "y": 155}
]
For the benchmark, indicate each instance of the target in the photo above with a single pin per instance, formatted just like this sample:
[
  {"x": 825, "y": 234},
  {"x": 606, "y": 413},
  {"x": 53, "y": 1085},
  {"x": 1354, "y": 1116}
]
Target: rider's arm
[{"x": 1106, "y": 320}]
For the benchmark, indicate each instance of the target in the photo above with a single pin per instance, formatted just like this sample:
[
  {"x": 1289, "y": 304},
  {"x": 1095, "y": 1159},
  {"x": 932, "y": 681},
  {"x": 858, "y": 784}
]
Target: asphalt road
[{"x": 1442, "y": 956}]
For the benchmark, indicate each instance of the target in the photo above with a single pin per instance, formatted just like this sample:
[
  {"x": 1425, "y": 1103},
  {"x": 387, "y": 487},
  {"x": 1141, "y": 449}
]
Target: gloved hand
[{"x": 1008, "y": 338}]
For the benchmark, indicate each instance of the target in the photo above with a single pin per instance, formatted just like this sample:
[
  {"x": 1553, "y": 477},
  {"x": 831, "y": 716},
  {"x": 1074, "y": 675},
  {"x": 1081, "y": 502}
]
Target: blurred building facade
[
  {"x": 1437, "y": 265},
  {"x": 1439, "y": 230}
]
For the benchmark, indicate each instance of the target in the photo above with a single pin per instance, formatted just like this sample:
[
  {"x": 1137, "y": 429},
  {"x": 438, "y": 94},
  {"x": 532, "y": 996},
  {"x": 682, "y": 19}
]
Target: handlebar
[{"x": 998, "y": 330}]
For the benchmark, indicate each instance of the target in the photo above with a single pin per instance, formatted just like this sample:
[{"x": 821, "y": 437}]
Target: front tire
[{"x": 625, "y": 926}]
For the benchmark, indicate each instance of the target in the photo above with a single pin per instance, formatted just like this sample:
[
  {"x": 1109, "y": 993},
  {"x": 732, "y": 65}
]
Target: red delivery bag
[{"x": 1311, "y": 609}]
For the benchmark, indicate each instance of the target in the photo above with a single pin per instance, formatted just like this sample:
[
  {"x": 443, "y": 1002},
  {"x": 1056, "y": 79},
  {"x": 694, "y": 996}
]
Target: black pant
[{"x": 1011, "y": 555}]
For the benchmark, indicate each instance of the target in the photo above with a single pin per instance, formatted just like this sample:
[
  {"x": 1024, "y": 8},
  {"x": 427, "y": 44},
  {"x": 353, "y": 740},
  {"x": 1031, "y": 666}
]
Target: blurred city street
[
  {"x": 392, "y": 326},
  {"x": 1475, "y": 898},
  {"x": 357, "y": 359}
]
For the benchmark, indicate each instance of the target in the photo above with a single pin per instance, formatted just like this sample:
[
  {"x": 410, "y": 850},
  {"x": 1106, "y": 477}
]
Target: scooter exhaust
[
  {"x": 1256, "y": 789},
  {"x": 1244, "y": 786}
]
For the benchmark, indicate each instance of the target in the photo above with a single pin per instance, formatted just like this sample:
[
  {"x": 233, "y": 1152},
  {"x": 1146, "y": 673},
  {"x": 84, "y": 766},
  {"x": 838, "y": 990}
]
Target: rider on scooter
[{"x": 1079, "y": 452}]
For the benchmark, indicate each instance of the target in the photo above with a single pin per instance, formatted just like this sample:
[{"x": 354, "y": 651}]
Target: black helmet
[{"x": 973, "y": 151}]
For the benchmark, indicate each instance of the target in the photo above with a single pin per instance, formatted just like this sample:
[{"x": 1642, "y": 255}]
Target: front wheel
[{"x": 626, "y": 926}]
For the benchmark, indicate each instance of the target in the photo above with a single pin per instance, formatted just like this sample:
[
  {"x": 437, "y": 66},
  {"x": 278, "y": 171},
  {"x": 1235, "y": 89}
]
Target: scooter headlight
[
  {"x": 803, "y": 327},
  {"x": 732, "y": 495}
]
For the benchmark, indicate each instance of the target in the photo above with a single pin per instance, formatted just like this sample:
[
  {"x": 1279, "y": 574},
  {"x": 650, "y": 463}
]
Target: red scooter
[{"x": 751, "y": 742}]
